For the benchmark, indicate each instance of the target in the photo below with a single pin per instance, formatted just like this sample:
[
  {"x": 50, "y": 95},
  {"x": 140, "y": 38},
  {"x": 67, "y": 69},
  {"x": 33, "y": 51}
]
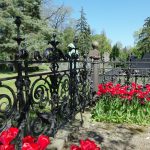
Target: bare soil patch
[{"x": 110, "y": 136}]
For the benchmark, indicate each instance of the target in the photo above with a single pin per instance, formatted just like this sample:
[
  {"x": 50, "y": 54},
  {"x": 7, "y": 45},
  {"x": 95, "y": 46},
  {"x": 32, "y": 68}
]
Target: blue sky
[{"x": 118, "y": 18}]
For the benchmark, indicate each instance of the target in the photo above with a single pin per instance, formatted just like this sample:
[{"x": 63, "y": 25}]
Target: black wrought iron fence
[
  {"x": 125, "y": 72},
  {"x": 42, "y": 102},
  {"x": 53, "y": 92}
]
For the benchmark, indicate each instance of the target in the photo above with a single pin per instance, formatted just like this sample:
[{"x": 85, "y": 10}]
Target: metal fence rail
[
  {"x": 124, "y": 72},
  {"x": 42, "y": 102}
]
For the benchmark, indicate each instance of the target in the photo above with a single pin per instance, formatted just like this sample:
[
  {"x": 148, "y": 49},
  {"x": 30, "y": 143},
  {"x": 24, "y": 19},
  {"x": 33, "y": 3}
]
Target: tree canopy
[
  {"x": 143, "y": 43},
  {"x": 33, "y": 28},
  {"x": 83, "y": 32},
  {"x": 41, "y": 18},
  {"x": 104, "y": 42},
  {"x": 115, "y": 52}
]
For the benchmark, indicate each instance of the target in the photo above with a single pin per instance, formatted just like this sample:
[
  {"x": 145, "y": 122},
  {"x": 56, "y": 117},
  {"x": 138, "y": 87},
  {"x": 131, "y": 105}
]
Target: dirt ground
[{"x": 110, "y": 136}]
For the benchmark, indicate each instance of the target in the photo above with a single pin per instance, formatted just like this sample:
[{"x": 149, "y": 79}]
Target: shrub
[
  {"x": 5, "y": 67},
  {"x": 33, "y": 68}
]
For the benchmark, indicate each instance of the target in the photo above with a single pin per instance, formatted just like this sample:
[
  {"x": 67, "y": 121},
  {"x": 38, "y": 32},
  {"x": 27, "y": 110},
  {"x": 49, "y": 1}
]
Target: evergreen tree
[
  {"x": 33, "y": 29},
  {"x": 115, "y": 52},
  {"x": 83, "y": 32},
  {"x": 143, "y": 43}
]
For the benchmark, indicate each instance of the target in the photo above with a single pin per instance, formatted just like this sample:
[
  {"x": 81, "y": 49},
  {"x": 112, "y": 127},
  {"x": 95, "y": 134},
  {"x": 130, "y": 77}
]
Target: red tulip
[
  {"x": 32, "y": 146},
  {"x": 139, "y": 87},
  {"x": 43, "y": 141},
  {"x": 7, "y": 147},
  {"x": 140, "y": 95},
  {"x": 88, "y": 145},
  {"x": 75, "y": 147},
  {"x": 28, "y": 139},
  {"x": 98, "y": 93},
  {"x": 101, "y": 88},
  {"x": 148, "y": 98},
  {"x": 8, "y": 135}
]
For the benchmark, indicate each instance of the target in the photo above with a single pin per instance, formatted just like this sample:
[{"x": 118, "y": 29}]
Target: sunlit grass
[{"x": 11, "y": 84}]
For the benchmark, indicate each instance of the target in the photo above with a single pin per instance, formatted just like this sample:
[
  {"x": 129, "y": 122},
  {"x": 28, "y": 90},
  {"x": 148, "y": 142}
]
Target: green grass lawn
[{"x": 11, "y": 83}]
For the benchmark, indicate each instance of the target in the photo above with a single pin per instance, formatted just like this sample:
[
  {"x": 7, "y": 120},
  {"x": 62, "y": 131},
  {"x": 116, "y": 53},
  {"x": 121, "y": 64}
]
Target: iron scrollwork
[
  {"x": 8, "y": 105},
  {"x": 51, "y": 99}
]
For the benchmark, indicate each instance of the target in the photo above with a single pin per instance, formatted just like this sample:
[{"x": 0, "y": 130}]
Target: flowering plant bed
[
  {"x": 8, "y": 142},
  {"x": 123, "y": 103},
  {"x": 8, "y": 136}
]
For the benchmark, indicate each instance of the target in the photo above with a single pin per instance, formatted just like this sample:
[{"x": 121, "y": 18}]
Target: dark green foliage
[
  {"x": 116, "y": 110},
  {"x": 143, "y": 43},
  {"x": 2, "y": 56},
  {"x": 67, "y": 37},
  {"x": 33, "y": 68},
  {"x": 84, "y": 34},
  {"x": 115, "y": 52},
  {"x": 33, "y": 29},
  {"x": 5, "y": 67},
  {"x": 104, "y": 43}
]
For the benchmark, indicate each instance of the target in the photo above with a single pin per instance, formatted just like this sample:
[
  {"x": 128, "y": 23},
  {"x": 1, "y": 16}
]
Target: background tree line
[{"x": 42, "y": 18}]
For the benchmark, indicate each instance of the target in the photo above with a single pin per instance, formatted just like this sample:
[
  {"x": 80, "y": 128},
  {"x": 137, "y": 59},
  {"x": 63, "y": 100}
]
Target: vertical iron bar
[
  {"x": 19, "y": 85},
  {"x": 27, "y": 96}
]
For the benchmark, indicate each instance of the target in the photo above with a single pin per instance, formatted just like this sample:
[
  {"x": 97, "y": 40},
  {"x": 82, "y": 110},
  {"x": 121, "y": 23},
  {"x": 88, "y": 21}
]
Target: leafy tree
[
  {"x": 143, "y": 43},
  {"x": 115, "y": 52},
  {"x": 68, "y": 37},
  {"x": 104, "y": 42},
  {"x": 7, "y": 28},
  {"x": 124, "y": 53},
  {"x": 33, "y": 29},
  {"x": 83, "y": 33},
  {"x": 2, "y": 56},
  {"x": 134, "y": 50}
]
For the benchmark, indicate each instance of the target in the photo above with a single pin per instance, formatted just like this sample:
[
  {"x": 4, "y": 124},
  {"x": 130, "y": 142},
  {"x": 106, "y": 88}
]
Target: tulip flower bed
[
  {"x": 8, "y": 137},
  {"x": 123, "y": 103}
]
